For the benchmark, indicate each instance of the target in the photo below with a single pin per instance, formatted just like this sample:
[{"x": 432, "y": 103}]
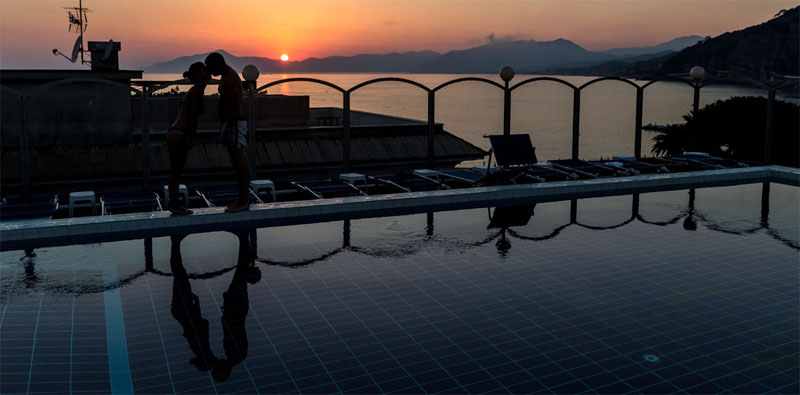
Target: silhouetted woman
[{"x": 183, "y": 130}]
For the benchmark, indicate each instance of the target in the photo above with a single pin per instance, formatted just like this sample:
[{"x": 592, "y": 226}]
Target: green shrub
[{"x": 734, "y": 128}]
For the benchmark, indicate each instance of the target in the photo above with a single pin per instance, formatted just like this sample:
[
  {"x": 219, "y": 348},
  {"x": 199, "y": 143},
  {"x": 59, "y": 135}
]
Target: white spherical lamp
[
  {"x": 250, "y": 72},
  {"x": 697, "y": 73},
  {"x": 507, "y": 73}
]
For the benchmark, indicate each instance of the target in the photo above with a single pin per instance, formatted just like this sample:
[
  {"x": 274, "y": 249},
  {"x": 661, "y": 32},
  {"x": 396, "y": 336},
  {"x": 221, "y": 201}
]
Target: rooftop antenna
[
  {"x": 79, "y": 20},
  {"x": 75, "y": 50},
  {"x": 107, "y": 52}
]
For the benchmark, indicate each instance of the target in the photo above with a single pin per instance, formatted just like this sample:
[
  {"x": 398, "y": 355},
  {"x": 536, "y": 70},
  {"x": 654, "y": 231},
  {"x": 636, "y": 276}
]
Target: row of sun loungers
[
  {"x": 515, "y": 158},
  {"x": 39, "y": 208}
]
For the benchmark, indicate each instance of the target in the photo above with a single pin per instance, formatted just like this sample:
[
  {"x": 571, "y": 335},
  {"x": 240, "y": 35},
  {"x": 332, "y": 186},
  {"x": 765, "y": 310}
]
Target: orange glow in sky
[{"x": 155, "y": 30}]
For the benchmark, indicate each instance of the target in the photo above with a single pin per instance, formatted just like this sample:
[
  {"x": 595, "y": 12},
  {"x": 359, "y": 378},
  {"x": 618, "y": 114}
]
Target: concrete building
[{"x": 85, "y": 130}]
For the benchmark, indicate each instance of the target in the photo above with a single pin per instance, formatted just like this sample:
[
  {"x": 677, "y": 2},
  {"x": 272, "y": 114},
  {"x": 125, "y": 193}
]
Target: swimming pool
[{"x": 689, "y": 290}]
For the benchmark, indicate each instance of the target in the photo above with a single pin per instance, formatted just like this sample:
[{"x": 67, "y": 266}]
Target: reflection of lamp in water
[
  {"x": 505, "y": 217},
  {"x": 503, "y": 245},
  {"x": 689, "y": 223},
  {"x": 697, "y": 73}
]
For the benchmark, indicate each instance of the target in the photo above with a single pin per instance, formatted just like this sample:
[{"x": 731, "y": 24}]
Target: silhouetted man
[{"x": 234, "y": 127}]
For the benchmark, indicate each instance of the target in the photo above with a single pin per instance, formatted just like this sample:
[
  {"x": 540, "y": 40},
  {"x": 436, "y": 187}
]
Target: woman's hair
[{"x": 191, "y": 74}]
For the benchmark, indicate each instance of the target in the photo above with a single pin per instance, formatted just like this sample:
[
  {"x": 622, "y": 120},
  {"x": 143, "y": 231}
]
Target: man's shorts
[{"x": 238, "y": 131}]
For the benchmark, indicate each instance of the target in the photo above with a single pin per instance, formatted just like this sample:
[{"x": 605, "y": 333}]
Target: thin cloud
[{"x": 494, "y": 38}]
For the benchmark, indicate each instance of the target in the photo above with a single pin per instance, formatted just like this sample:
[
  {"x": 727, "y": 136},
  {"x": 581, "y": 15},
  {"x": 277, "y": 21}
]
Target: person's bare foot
[
  {"x": 238, "y": 206},
  {"x": 178, "y": 209}
]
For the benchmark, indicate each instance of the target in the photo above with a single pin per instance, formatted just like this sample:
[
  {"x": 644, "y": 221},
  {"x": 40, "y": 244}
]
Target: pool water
[{"x": 684, "y": 291}]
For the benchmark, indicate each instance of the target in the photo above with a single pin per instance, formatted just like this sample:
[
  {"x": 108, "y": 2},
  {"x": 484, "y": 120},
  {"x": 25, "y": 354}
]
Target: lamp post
[
  {"x": 697, "y": 73},
  {"x": 250, "y": 74},
  {"x": 506, "y": 74}
]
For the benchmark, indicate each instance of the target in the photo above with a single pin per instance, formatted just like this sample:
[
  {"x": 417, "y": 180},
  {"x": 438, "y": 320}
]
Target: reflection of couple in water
[{"x": 236, "y": 303}]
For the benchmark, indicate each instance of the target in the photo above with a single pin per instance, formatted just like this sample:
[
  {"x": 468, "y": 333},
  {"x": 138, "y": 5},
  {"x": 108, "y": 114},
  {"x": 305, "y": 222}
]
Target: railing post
[
  {"x": 573, "y": 211},
  {"x": 346, "y": 127},
  {"x": 506, "y": 74},
  {"x": 251, "y": 128},
  {"x": 768, "y": 127},
  {"x": 765, "y": 204},
  {"x": 695, "y": 109},
  {"x": 576, "y": 122},
  {"x": 148, "y": 254},
  {"x": 637, "y": 140},
  {"x": 506, "y": 110},
  {"x": 431, "y": 127},
  {"x": 145, "y": 142},
  {"x": 24, "y": 148},
  {"x": 346, "y": 233}
]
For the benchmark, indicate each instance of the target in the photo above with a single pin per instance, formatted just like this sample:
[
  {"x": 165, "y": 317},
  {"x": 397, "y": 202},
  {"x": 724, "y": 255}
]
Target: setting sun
[{"x": 284, "y": 57}]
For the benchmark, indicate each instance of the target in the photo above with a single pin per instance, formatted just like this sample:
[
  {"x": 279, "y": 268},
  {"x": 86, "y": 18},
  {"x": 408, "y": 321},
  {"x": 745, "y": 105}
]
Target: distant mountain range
[
  {"x": 757, "y": 52},
  {"x": 489, "y": 58}
]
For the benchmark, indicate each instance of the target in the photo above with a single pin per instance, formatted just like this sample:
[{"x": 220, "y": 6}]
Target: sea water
[{"x": 542, "y": 109}]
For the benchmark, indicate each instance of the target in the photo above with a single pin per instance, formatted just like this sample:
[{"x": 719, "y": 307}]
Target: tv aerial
[{"x": 79, "y": 20}]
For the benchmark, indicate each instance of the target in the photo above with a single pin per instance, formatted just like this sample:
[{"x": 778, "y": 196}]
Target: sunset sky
[{"x": 160, "y": 30}]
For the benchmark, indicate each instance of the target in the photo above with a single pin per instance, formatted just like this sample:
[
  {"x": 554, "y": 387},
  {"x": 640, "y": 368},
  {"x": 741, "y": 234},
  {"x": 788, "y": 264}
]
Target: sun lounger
[
  {"x": 586, "y": 169},
  {"x": 407, "y": 182},
  {"x": 516, "y": 155},
  {"x": 704, "y": 158},
  {"x": 674, "y": 166},
  {"x": 630, "y": 163},
  {"x": 38, "y": 208},
  {"x": 548, "y": 172},
  {"x": 462, "y": 176},
  {"x": 223, "y": 195},
  {"x": 322, "y": 189},
  {"x": 115, "y": 203}
]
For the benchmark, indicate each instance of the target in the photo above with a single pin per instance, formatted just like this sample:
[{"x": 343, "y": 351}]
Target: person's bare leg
[
  {"x": 241, "y": 166},
  {"x": 177, "y": 158}
]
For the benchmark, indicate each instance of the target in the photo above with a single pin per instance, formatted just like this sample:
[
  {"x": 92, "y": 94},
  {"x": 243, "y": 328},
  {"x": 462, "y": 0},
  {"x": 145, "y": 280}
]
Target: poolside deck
[{"x": 30, "y": 234}]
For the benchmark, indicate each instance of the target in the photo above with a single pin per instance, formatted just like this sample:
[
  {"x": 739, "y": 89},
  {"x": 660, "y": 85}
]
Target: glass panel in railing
[
  {"x": 470, "y": 110},
  {"x": 543, "y": 110},
  {"x": 608, "y": 119},
  {"x": 664, "y": 103}
]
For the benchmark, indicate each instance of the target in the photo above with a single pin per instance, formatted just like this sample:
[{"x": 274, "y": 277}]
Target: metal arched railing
[
  {"x": 147, "y": 90},
  {"x": 666, "y": 79},
  {"x": 576, "y": 106},
  {"x": 389, "y": 79},
  {"x": 601, "y": 79},
  {"x": 466, "y": 79}
]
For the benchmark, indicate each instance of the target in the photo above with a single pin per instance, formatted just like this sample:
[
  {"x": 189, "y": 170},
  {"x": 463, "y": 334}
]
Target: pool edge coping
[{"x": 308, "y": 211}]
